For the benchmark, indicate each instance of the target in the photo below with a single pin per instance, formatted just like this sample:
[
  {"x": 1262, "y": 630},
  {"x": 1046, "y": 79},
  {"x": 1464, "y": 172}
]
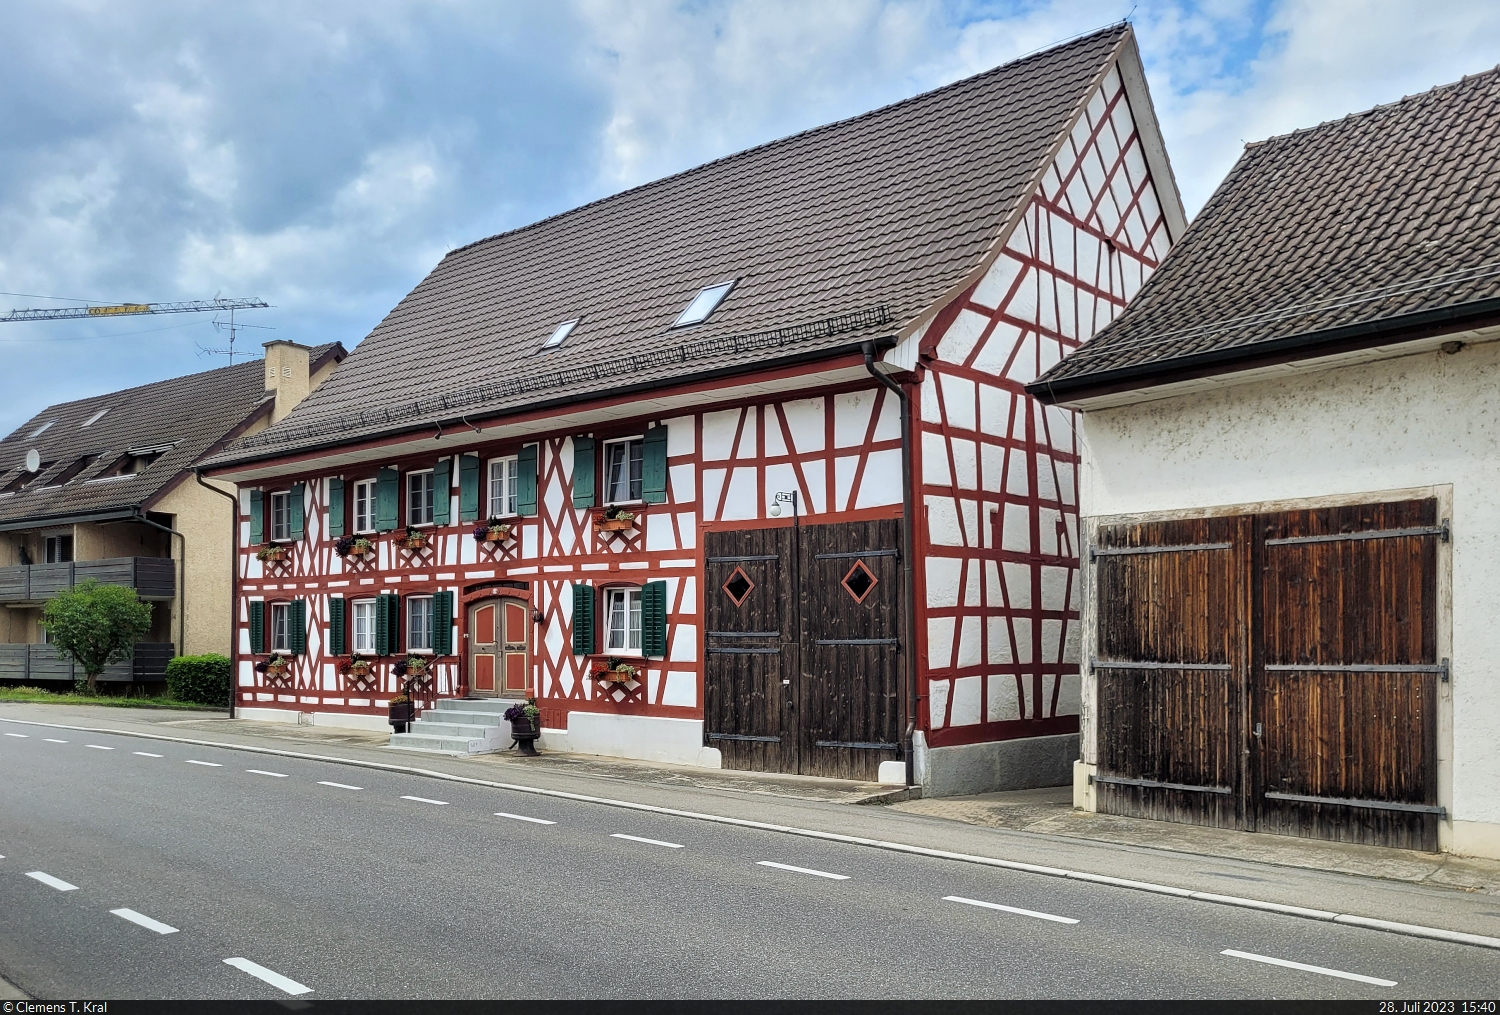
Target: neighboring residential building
[
  {"x": 1289, "y": 490},
  {"x": 774, "y": 364},
  {"x": 103, "y": 488}
]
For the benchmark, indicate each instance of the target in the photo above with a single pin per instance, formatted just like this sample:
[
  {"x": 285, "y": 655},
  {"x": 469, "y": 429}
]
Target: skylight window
[
  {"x": 94, "y": 418},
  {"x": 705, "y": 303},
  {"x": 43, "y": 428},
  {"x": 560, "y": 334}
]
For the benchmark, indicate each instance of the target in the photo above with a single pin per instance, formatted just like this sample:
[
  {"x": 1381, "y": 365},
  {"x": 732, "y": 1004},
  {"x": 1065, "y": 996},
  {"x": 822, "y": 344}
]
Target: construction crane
[{"x": 132, "y": 309}]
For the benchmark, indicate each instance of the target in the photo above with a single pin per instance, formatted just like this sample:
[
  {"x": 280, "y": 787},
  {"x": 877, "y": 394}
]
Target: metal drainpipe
[
  {"x": 181, "y": 581},
  {"x": 908, "y": 538},
  {"x": 234, "y": 583}
]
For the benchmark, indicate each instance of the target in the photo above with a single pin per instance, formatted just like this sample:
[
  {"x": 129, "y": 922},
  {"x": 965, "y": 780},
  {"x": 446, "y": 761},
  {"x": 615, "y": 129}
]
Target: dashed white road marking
[
  {"x": 144, "y": 921},
  {"x": 653, "y": 842},
  {"x": 272, "y": 977},
  {"x": 522, "y": 817},
  {"x": 48, "y": 879},
  {"x": 99, "y": 747},
  {"x": 146, "y": 754},
  {"x": 52, "y": 741},
  {"x": 1009, "y": 909},
  {"x": 803, "y": 870},
  {"x": 206, "y": 764},
  {"x": 1308, "y": 969},
  {"x": 335, "y": 785},
  {"x": 424, "y": 800},
  {"x": 258, "y": 771},
  {"x": 23, "y": 736}
]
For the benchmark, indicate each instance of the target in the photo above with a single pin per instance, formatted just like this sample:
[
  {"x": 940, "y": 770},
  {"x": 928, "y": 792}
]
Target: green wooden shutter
[
  {"x": 468, "y": 488},
  {"x": 654, "y": 466},
  {"x": 387, "y": 495},
  {"x": 257, "y": 518},
  {"x": 336, "y": 506},
  {"x": 654, "y": 620},
  {"x": 584, "y": 468},
  {"x": 382, "y": 627},
  {"x": 297, "y": 620},
  {"x": 337, "y": 631},
  {"x": 442, "y": 492},
  {"x": 298, "y": 520},
  {"x": 442, "y": 624},
  {"x": 526, "y": 481},
  {"x": 393, "y": 624},
  {"x": 257, "y": 627},
  {"x": 583, "y": 619}
]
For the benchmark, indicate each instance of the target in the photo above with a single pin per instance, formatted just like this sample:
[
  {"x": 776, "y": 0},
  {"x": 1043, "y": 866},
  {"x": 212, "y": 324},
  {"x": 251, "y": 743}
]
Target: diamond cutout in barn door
[
  {"x": 859, "y": 581},
  {"x": 738, "y": 587}
]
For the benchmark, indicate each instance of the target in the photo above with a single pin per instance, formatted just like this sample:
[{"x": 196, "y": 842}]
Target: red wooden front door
[
  {"x": 483, "y": 646},
  {"x": 517, "y": 664}
]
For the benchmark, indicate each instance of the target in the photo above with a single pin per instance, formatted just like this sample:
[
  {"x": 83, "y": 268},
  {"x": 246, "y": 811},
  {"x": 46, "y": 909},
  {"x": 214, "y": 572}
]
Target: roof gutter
[
  {"x": 1307, "y": 345},
  {"x": 112, "y": 515},
  {"x": 466, "y": 419}
]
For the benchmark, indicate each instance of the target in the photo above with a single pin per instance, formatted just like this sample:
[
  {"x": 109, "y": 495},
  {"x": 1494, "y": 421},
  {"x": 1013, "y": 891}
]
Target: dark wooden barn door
[
  {"x": 802, "y": 652},
  {"x": 750, "y": 648},
  {"x": 1346, "y": 689},
  {"x": 1275, "y": 672}
]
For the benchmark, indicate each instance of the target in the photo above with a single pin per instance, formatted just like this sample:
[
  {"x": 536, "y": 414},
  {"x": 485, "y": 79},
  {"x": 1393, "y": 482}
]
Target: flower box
[
  {"x": 614, "y": 671},
  {"x": 354, "y": 546},
  {"x": 614, "y": 519},
  {"x": 271, "y": 554},
  {"x": 412, "y": 540}
]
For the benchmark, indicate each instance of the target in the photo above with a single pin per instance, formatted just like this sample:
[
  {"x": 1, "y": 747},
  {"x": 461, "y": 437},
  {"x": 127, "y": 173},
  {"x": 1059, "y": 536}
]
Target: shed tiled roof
[
  {"x": 1377, "y": 220},
  {"x": 191, "y": 414},
  {"x": 840, "y": 233}
]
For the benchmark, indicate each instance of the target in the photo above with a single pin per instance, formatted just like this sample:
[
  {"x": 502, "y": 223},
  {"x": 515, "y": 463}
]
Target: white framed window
[
  {"x": 622, "y": 620},
  {"x": 364, "y": 505},
  {"x": 281, "y": 516},
  {"x": 624, "y": 461},
  {"x": 281, "y": 627},
  {"x": 364, "y": 625},
  {"x": 419, "y": 623},
  {"x": 503, "y": 473},
  {"x": 419, "y": 490}
]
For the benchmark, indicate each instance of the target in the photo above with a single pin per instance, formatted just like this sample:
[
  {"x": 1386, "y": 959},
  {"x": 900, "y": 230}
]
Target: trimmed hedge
[{"x": 201, "y": 679}]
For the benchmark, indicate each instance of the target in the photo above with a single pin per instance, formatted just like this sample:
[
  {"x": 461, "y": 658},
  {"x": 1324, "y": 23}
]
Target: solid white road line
[
  {"x": 206, "y": 764},
  {"x": 144, "y": 921},
  {"x": 1309, "y": 969},
  {"x": 1008, "y": 909},
  {"x": 424, "y": 800},
  {"x": 146, "y": 754},
  {"x": 339, "y": 785},
  {"x": 803, "y": 870},
  {"x": 522, "y": 817},
  {"x": 99, "y": 747},
  {"x": 653, "y": 842},
  {"x": 272, "y": 977},
  {"x": 23, "y": 736},
  {"x": 51, "y": 741},
  {"x": 257, "y": 771},
  {"x": 48, "y": 879}
]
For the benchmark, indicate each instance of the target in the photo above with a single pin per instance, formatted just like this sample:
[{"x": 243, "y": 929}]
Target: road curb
[{"x": 1321, "y": 915}]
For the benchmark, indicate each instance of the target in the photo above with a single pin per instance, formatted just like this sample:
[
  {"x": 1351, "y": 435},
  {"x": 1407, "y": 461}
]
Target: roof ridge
[
  {"x": 786, "y": 139},
  {"x": 1381, "y": 107}
]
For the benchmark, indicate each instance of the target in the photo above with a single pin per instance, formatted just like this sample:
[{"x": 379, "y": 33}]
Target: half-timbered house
[
  {"x": 735, "y": 468},
  {"x": 1289, "y": 494}
]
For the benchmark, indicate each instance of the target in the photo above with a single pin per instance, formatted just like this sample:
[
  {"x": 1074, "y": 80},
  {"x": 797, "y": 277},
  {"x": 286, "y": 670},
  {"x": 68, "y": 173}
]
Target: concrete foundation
[{"x": 997, "y": 765}]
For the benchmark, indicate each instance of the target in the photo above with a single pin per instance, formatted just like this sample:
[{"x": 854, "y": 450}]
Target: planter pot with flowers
[
  {"x": 413, "y": 672},
  {"x": 525, "y": 726},
  {"x": 402, "y": 712},
  {"x": 359, "y": 674},
  {"x": 614, "y": 519},
  {"x": 614, "y": 671},
  {"x": 354, "y": 546},
  {"x": 272, "y": 554},
  {"x": 411, "y": 539},
  {"x": 493, "y": 531},
  {"x": 277, "y": 670}
]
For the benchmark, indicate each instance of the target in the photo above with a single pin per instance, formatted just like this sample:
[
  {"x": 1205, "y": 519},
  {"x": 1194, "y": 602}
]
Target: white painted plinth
[
  {"x": 285, "y": 715},
  {"x": 353, "y": 721},
  {"x": 892, "y": 773},
  {"x": 641, "y": 738}
]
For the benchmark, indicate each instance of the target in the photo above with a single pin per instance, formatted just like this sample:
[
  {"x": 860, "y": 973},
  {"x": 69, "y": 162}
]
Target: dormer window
[
  {"x": 94, "y": 418},
  {"x": 560, "y": 334},
  {"x": 705, "y": 303}
]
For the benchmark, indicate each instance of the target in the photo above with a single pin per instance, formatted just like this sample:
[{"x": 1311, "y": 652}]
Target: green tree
[{"x": 96, "y": 625}]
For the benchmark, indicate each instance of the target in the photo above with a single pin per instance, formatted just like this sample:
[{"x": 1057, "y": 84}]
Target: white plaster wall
[{"x": 1427, "y": 420}]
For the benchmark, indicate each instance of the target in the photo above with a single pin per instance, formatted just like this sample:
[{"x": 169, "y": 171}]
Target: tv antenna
[{"x": 233, "y": 328}]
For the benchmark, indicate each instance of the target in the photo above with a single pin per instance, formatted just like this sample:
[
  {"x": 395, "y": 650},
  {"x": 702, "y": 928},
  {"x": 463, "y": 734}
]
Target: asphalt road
[{"x": 145, "y": 869}]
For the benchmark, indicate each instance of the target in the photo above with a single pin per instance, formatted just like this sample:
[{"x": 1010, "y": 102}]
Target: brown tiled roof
[
  {"x": 840, "y": 233},
  {"x": 1385, "y": 219},
  {"x": 191, "y": 414}
]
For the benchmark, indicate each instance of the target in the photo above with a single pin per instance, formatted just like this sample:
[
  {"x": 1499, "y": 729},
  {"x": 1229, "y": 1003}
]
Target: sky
[{"x": 323, "y": 157}]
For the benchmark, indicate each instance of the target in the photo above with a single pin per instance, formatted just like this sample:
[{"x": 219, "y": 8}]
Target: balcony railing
[
  {"x": 151, "y": 577},
  {"x": 38, "y": 661}
]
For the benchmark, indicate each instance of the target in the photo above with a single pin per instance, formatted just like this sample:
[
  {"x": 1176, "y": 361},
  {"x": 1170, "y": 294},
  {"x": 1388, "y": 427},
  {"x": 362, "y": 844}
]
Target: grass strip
[{"x": 40, "y": 696}]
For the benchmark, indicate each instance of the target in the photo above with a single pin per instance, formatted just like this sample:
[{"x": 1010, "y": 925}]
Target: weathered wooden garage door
[
  {"x": 1273, "y": 672},
  {"x": 802, "y": 648}
]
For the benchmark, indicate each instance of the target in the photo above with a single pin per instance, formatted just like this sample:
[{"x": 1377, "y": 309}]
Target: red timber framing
[{"x": 997, "y": 470}]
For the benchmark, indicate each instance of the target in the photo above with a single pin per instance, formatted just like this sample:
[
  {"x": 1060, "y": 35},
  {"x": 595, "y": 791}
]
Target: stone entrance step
[{"x": 459, "y": 726}]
